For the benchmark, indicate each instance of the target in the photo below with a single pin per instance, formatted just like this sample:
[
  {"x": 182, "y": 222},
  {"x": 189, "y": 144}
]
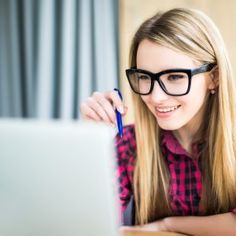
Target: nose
[{"x": 158, "y": 95}]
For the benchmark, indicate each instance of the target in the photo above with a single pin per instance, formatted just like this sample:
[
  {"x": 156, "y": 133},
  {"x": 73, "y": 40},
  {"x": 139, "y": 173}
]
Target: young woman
[{"x": 177, "y": 164}]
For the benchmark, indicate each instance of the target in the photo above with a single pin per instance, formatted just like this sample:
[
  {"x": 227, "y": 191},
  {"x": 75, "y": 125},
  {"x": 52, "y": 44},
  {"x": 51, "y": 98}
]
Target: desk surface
[{"x": 139, "y": 233}]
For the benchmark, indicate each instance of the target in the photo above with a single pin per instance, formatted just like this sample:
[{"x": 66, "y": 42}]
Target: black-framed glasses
[{"x": 174, "y": 82}]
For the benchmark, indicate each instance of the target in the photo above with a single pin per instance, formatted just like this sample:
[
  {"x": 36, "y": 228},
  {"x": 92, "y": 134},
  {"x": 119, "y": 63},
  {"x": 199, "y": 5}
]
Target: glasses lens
[
  {"x": 140, "y": 82},
  {"x": 175, "y": 83}
]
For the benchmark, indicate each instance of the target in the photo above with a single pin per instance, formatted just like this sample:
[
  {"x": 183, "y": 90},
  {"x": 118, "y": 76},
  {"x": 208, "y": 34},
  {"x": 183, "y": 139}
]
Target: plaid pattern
[
  {"x": 185, "y": 176},
  {"x": 185, "y": 173},
  {"x": 126, "y": 153}
]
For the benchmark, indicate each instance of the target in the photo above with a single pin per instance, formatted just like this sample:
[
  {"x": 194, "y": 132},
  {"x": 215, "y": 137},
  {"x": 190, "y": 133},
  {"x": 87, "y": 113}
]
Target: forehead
[{"x": 154, "y": 57}]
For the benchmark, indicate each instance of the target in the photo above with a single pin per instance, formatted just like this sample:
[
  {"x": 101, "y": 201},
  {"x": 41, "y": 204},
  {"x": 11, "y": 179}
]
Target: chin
[{"x": 169, "y": 125}]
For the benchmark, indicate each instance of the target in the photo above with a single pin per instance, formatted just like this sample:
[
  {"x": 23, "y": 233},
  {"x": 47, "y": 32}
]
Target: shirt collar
[{"x": 172, "y": 145}]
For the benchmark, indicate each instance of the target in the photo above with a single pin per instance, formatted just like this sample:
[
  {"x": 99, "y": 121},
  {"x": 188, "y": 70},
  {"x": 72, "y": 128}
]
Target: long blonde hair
[{"x": 192, "y": 33}]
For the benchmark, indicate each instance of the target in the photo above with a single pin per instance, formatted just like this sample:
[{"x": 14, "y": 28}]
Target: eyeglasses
[{"x": 174, "y": 82}]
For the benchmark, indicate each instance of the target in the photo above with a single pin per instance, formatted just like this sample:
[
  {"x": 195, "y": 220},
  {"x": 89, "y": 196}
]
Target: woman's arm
[{"x": 221, "y": 224}]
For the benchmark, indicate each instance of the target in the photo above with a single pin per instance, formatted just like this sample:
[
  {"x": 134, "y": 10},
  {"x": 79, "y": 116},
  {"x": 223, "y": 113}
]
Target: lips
[{"x": 167, "y": 109}]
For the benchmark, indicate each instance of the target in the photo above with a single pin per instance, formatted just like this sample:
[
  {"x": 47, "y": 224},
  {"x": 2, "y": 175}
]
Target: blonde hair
[{"x": 192, "y": 33}]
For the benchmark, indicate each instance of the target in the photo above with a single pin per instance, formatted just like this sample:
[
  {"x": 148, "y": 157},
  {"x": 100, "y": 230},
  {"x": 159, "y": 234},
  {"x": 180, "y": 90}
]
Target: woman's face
[{"x": 173, "y": 112}]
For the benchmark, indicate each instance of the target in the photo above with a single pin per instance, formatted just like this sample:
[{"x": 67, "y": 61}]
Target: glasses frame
[{"x": 156, "y": 77}]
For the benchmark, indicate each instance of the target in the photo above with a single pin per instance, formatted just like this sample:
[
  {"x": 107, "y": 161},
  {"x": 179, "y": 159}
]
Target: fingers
[
  {"x": 100, "y": 107},
  {"x": 93, "y": 110},
  {"x": 106, "y": 105},
  {"x": 116, "y": 100},
  {"x": 89, "y": 113}
]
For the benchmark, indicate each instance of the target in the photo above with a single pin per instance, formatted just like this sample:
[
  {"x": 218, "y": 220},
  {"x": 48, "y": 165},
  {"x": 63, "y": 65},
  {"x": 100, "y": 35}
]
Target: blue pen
[{"x": 119, "y": 116}]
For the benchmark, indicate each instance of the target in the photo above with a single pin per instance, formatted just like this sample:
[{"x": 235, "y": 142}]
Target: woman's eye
[
  {"x": 143, "y": 77},
  {"x": 176, "y": 77}
]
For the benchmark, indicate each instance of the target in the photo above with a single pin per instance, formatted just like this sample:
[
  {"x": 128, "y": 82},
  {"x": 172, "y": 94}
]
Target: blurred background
[{"x": 55, "y": 53}]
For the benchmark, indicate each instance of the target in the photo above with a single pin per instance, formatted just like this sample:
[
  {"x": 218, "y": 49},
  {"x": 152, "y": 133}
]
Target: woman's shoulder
[{"x": 126, "y": 145}]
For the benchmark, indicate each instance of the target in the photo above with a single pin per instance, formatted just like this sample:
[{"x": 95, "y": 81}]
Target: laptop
[{"x": 57, "y": 179}]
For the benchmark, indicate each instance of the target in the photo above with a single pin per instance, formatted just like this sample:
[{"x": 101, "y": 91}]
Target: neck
[
  {"x": 185, "y": 138},
  {"x": 187, "y": 134}
]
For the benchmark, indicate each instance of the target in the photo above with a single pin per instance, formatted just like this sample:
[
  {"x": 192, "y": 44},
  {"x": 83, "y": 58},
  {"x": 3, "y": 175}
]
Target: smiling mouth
[{"x": 167, "y": 109}]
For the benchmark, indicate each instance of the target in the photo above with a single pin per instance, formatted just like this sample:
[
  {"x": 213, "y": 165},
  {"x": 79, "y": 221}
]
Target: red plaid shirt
[{"x": 185, "y": 173}]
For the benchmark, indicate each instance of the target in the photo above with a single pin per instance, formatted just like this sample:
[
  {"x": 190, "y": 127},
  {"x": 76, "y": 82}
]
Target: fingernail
[
  {"x": 120, "y": 109},
  {"x": 113, "y": 125}
]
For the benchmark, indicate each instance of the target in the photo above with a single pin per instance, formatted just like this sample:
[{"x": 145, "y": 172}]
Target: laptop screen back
[{"x": 57, "y": 179}]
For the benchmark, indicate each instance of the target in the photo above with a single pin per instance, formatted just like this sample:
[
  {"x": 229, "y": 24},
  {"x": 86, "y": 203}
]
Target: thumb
[{"x": 125, "y": 110}]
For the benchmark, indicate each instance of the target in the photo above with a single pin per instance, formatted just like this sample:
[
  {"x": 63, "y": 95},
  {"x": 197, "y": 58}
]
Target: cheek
[
  {"x": 199, "y": 84},
  {"x": 147, "y": 100},
  {"x": 198, "y": 92},
  {"x": 194, "y": 101}
]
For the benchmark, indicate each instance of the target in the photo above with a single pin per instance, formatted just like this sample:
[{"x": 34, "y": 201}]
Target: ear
[{"x": 214, "y": 78}]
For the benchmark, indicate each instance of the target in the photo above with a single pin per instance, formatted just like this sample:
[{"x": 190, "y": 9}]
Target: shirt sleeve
[{"x": 126, "y": 148}]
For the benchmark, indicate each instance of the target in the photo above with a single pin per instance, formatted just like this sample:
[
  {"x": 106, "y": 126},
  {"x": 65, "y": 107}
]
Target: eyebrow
[{"x": 168, "y": 69}]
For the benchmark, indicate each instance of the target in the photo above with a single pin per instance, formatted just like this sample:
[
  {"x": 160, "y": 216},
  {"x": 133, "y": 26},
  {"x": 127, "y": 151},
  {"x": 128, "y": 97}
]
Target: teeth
[{"x": 167, "y": 109}]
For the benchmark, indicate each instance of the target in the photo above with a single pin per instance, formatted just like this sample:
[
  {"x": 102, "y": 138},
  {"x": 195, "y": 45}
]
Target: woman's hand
[{"x": 101, "y": 107}]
